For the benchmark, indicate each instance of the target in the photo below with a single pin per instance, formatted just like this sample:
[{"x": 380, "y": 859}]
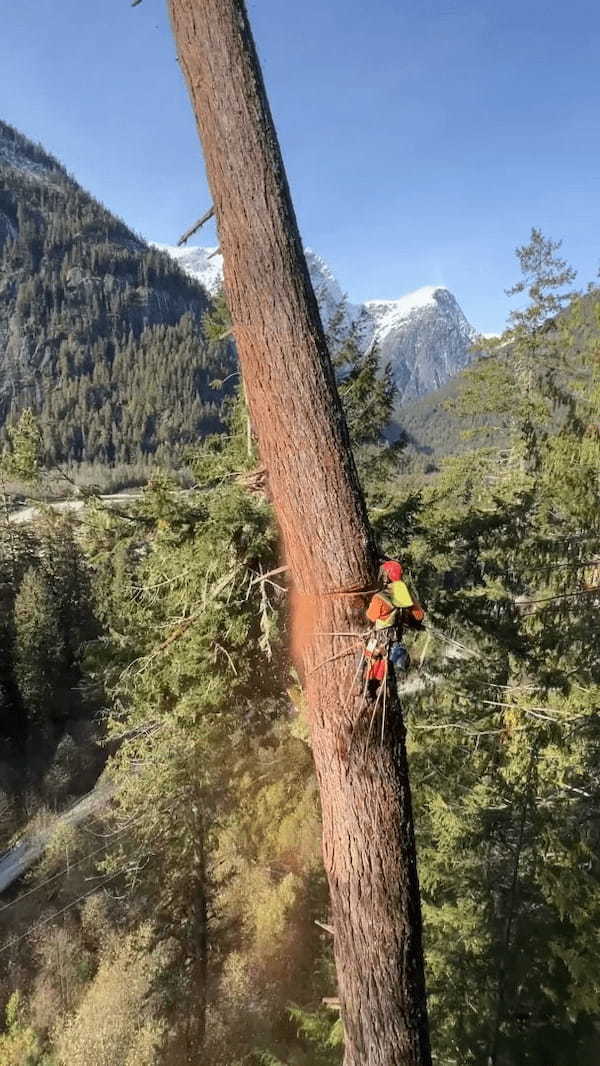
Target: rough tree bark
[{"x": 368, "y": 840}]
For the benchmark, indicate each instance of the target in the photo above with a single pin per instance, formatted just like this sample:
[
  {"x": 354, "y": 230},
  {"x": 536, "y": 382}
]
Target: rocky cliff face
[{"x": 423, "y": 335}]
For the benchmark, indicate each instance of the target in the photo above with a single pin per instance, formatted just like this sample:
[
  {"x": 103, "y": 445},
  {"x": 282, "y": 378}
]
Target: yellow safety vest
[{"x": 398, "y": 596}]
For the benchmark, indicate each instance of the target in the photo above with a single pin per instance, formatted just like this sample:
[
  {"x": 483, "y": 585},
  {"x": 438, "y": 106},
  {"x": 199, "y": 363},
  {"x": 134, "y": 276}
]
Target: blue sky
[{"x": 423, "y": 138}]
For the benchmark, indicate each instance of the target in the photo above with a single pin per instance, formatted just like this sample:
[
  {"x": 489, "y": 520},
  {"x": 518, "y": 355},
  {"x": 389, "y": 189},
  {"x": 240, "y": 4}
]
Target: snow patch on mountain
[
  {"x": 332, "y": 301},
  {"x": 19, "y": 154},
  {"x": 424, "y": 335},
  {"x": 200, "y": 263},
  {"x": 207, "y": 268},
  {"x": 391, "y": 312},
  {"x": 9, "y": 157}
]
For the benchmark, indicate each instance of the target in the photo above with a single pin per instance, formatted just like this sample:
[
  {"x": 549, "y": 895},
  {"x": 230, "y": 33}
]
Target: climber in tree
[{"x": 392, "y": 609}]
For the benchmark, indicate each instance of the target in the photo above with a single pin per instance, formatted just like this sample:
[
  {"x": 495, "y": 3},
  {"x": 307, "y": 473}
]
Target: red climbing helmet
[{"x": 392, "y": 570}]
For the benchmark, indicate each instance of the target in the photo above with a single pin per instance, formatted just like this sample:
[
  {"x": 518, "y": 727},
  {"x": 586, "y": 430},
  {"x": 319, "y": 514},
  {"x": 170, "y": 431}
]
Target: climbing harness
[{"x": 390, "y": 610}]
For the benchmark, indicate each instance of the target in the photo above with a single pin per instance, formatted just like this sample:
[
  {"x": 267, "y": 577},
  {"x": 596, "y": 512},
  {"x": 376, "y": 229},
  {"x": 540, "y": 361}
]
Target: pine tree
[
  {"x": 39, "y": 648},
  {"x": 293, "y": 401},
  {"x": 506, "y": 760}
]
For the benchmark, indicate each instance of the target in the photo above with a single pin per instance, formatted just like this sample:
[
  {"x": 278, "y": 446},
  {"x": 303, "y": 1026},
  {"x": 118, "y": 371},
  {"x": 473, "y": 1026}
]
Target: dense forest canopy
[{"x": 152, "y": 638}]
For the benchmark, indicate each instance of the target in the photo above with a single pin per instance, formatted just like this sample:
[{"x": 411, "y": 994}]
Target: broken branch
[
  {"x": 269, "y": 573},
  {"x": 197, "y": 225},
  {"x": 323, "y": 925},
  {"x": 332, "y": 1002}
]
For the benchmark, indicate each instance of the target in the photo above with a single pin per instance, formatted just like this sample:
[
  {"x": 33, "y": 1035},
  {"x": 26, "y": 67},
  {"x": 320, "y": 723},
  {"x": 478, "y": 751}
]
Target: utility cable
[
  {"x": 52, "y": 917},
  {"x": 60, "y": 873}
]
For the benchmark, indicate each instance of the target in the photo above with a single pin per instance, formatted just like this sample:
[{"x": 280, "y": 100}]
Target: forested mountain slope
[
  {"x": 183, "y": 924},
  {"x": 188, "y": 920},
  {"x": 423, "y": 336},
  {"x": 99, "y": 333},
  {"x": 436, "y": 425}
]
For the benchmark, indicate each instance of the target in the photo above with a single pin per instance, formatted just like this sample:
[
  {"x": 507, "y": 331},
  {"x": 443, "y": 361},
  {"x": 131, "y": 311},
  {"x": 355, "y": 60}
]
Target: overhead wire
[
  {"x": 70, "y": 866},
  {"x": 562, "y": 596},
  {"x": 12, "y": 942}
]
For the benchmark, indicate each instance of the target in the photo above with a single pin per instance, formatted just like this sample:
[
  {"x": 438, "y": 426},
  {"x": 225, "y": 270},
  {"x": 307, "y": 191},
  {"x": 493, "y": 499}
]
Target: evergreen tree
[
  {"x": 506, "y": 761},
  {"x": 312, "y": 476},
  {"x": 39, "y": 648},
  {"x": 214, "y": 834}
]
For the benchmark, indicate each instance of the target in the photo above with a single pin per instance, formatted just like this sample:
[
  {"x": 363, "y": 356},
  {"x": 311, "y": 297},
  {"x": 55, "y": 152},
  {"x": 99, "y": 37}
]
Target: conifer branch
[
  {"x": 560, "y": 596},
  {"x": 144, "y": 661}
]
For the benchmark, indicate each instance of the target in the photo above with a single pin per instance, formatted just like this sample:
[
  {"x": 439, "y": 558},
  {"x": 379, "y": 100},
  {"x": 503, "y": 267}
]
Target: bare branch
[
  {"x": 323, "y": 925},
  {"x": 332, "y": 1002},
  {"x": 334, "y": 658},
  {"x": 197, "y": 225},
  {"x": 219, "y": 647},
  {"x": 269, "y": 573}
]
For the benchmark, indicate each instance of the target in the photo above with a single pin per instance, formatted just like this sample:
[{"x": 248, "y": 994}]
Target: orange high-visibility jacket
[{"x": 384, "y": 606}]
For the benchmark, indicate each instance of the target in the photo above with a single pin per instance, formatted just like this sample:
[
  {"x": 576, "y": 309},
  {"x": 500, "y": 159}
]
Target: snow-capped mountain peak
[
  {"x": 200, "y": 263},
  {"x": 424, "y": 335},
  {"x": 328, "y": 291},
  {"x": 322, "y": 272},
  {"x": 405, "y": 305}
]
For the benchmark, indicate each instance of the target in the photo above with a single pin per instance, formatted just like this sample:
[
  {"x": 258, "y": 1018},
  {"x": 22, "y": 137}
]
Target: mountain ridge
[
  {"x": 99, "y": 333},
  {"x": 96, "y": 327},
  {"x": 424, "y": 334}
]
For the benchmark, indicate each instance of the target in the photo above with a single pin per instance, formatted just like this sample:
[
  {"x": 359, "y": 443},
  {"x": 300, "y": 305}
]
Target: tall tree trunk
[
  {"x": 507, "y": 957},
  {"x": 368, "y": 840}
]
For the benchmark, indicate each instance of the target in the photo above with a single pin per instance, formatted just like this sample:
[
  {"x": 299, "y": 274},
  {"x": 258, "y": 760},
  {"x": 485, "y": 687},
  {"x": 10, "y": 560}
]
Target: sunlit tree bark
[{"x": 368, "y": 840}]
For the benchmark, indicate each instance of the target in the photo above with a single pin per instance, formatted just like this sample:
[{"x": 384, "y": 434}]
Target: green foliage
[
  {"x": 545, "y": 277},
  {"x": 47, "y": 617},
  {"x": 104, "y": 336},
  {"x": 504, "y": 734},
  {"x": 116, "y": 1020},
  {"x": 366, "y": 389},
  {"x": 217, "y": 322},
  {"x": 325, "y": 1037},
  {"x": 19, "y": 1045},
  {"x": 22, "y": 461},
  {"x": 39, "y": 646},
  {"x": 52, "y": 617},
  {"x": 214, "y": 834},
  {"x": 516, "y": 383}
]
